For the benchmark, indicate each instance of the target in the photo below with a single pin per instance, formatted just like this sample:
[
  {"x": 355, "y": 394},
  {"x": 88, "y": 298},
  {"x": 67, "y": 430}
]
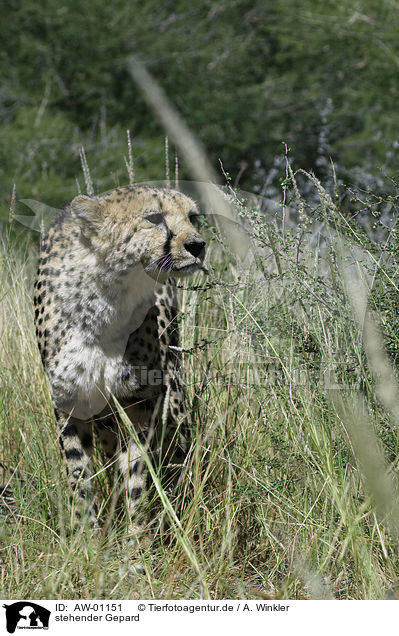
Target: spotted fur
[{"x": 106, "y": 318}]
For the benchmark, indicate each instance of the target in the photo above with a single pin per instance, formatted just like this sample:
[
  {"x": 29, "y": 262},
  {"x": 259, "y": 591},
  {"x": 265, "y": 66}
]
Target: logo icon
[{"x": 26, "y": 615}]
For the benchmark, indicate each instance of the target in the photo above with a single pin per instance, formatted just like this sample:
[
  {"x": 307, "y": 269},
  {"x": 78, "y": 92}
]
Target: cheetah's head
[{"x": 133, "y": 224}]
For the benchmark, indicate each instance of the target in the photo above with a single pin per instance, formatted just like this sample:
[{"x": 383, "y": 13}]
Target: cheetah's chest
[{"x": 89, "y": 372}]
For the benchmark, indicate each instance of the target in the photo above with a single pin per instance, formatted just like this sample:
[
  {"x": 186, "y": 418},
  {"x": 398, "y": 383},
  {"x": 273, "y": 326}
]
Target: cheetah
[{"x": 106, "y": 318}]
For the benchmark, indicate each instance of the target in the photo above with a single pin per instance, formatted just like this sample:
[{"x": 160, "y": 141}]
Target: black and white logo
[{"x": 26, "y": 615}]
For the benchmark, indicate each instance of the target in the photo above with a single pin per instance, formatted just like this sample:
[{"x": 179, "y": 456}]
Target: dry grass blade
[
  {"x": 386, "y": 385},
  {"x": 370, "y": 457},
  {"x": 129, "y": 162},
  {"x": 86, "y": 173},
  {"x": 176, "y": 172},
  {"x": 167, "y": 171},
  {"x": 12, "y": 204}
]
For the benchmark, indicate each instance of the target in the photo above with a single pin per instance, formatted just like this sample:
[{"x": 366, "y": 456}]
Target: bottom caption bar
[{"x": 176, "y": 617}]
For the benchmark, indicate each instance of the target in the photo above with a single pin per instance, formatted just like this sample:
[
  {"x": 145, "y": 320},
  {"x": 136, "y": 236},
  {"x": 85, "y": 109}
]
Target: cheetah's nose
[{"x": 195, "y": 247}]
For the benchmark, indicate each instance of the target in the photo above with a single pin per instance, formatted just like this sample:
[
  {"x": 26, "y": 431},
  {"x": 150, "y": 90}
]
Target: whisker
[{"x": 165, "y": 262}]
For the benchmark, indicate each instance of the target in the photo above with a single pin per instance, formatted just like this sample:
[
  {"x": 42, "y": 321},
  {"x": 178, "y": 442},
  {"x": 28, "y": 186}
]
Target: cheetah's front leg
[
  {"x": 131, "y": 473},
  {"x": 76, "y": 441},
  {"x": 133, "y": 477}
]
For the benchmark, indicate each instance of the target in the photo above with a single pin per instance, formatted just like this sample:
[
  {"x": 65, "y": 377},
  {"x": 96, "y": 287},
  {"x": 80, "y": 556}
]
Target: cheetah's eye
[
  {"x": 156, "y": 219},
  {"x": 195, "y": 219}
]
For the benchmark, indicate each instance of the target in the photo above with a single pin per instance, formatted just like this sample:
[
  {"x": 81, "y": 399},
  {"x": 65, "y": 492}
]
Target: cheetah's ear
[{"x": 88, "y": 209}]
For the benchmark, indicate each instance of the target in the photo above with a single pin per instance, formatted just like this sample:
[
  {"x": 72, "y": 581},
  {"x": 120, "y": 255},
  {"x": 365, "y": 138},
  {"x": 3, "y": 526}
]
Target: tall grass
[
  {"x": 289, "y": 349},
  {"x": 291, "y": 474}
]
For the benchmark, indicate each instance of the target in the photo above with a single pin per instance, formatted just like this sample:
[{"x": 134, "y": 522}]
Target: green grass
[{"x": 291, "y": 485}]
